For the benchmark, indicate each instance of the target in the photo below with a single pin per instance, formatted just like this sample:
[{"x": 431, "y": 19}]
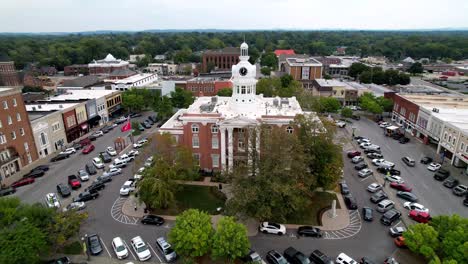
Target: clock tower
[{"x": 244, "y": 82}]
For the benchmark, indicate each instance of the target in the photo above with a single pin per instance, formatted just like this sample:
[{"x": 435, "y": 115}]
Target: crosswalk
[
  {"x": 116, "y": 213},
  {"x": 352, "y": 229}
]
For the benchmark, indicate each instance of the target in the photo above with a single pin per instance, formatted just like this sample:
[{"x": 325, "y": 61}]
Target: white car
[
  {"x": 126, "y": 158},
  {"x": 112, "y": 172},
  {"x": 383, "y": 162},
  {"x": 143, "y": 141},
  {"x": 83, "y": 175},
  {"x": 357, "y": 159},
  {"x": 365, "y": 144},
  {"x": 75, "y": 206},
  {"x": 52, "y": 200},
  {"x": 111, "y": 151},
  {"x": 127, "y": 187},
  {"x": 98, "y": 163},
  {"x": 377, "y": 162},
  {"x": 415, "y": 206},
  {"x": 140, "y": 248},
  {"x": 149, "y": 162},
  {"x": 384, "y": 124},
  {"x": 363, "y": 140},
  {"x": 119, "y": 247},
  {"x": 364, "y": 173},
  {"x": 69, "y": 151},
  {"x": 394, "y": 178},
  {"x": 98, "y": 133},
  {"x": 340, "y": 123},
  {"x": 434, "y": 166},
  {"x": 133, "y": 153},
  {"x": 139, "y": 173},
  {"x": 345, "y": 259},
  {"x": 118, "y": 163},
  {"x": 373, "y": 187},
  {"x": 272, "y": 228},
  {"x": 140, "y": 143}
]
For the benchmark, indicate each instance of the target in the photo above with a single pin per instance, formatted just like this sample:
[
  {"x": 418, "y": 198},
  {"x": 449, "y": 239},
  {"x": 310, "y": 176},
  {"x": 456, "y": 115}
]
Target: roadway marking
[
  {"x": 129, "y": 249},
  {"x": 399, "y": 222},
  {"x": 160, "y": 260},
  {"x": 102, "y": 242},
  {"x": 351, "y": 230},
  {"x": 366, "y": 178},
  {"x": 116, "y": 213}
]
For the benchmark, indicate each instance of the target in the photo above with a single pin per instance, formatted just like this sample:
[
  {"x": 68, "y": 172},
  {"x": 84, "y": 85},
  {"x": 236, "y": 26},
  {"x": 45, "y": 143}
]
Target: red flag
[{"x": 127, "y": 125}]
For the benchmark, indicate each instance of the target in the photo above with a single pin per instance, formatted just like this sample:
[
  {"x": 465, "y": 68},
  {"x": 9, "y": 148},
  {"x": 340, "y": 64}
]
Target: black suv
[
  {"x": 451, "y": 182},
  {"x": 440, "y": 176},
  {"x": 90, "y": 169},
  {"x": 360, "y": 166},
  {"x": 350, "y": 202},
  {"x": 386, "y": 170},
  {"x": 86, "y": 196},
  {"x": 63, "y": 189},
  {"x": 274, "y": 257},
  {"x": 390, "y": 216},
  {"x": 378, "y": 197},
  {"x": 59, "y": 157},
  {"x": 7, "y": 191},
  {"x": 96, "y": 186},
  {"x": 319, "y": 258},
  {"x": 295, "y": 257}
]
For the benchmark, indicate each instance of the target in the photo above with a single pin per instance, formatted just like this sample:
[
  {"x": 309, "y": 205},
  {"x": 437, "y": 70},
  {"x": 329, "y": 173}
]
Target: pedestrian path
[
  {"x": 352, "y": 229},
  {"x": 119, "y": 216}
]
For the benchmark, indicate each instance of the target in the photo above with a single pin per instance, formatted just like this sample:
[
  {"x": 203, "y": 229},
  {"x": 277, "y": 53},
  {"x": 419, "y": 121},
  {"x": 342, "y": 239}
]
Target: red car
[
  {"x": 23, "y": 182},
  {"x": 400, "y": 186},
  {"x": 74, "y": 182},
  {"x": 400, "y": 242},
  {"x": 88, "y": 149},
  {"x": 420, "y": 217},
  {"x": 353, "y": 153}
]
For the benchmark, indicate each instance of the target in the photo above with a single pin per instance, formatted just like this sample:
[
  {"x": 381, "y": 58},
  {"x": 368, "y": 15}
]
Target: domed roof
[
  {"x": 244, "y": 46},
  {"x": 109, "y": 57}
]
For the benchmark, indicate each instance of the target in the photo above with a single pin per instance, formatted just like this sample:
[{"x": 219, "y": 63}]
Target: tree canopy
[
  {"x": 230, "y": 240},
  {"x": 282, "y": 87},
  {"x": 225, "y": 92}
]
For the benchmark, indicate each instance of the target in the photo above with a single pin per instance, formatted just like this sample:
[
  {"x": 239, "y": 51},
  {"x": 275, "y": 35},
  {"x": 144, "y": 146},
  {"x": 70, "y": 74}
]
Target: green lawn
[
  {"x": 310, "y": 216},
  {"x": 199, "y": 197}
]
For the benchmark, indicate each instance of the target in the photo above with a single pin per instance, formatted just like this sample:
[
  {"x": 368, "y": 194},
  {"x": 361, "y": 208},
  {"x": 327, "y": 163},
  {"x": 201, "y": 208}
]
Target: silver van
[
  {"x": 385, "y": 205},
  {"x": 166, "y": 250}
]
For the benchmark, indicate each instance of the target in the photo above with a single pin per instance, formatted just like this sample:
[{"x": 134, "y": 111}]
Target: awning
[
  {"x": 94, "y": 119},
  {"x": 392, "y": 128}
]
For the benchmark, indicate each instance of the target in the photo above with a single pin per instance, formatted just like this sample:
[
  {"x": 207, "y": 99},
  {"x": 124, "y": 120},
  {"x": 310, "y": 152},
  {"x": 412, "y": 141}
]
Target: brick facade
[
  {"x": 222, "y": 59},
  {"x": 207, "y": 86},
  {"x": 8, "y": 74}
]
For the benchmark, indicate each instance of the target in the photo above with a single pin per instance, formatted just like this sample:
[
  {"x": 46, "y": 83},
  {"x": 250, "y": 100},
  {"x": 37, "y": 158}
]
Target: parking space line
[
  {"x": 366, "y": 178},
  {"x": 102, "y": 242},
  {"x": 399, "y": 222},
  {"x": 129, "y": 249},
  {"x": 160, "y": 260}
]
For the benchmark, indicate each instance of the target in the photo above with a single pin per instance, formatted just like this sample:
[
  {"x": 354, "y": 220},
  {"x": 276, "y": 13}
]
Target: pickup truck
[{"x": 74, "y": 182}]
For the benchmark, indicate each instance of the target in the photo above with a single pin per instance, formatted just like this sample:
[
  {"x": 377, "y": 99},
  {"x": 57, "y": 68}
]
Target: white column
[
  {"x": 223, "y": 147},
  {"x": 230, "y": 149}
]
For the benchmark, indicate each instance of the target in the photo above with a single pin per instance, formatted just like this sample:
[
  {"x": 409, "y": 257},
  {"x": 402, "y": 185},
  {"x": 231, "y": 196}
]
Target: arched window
[
  {"x": 290, "y": 130},
  {"x": 214, "y": 129},
  {"x": 195, "y": 128}
]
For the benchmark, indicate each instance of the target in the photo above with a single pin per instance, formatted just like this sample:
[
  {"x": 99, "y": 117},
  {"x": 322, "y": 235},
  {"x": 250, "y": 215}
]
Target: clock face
[{"x": 243, "y": 71}]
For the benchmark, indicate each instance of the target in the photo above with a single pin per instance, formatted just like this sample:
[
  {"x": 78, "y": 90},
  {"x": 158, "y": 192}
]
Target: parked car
[
  {"x": 273, "y": 257},
  {"x": 98, "y": 163},
  {"x": 133, "y": 153},
  {"x": 374, "y": 187},
  {"x": 94, "y": 244},
  {"x": 383, "y": 163},
  {"x": 367, "y": 214},
  {"x": 390, "y": 216},
  {"x": 92, "y": 137},
  {"x": 145, "y": 125},
  {"x": 385, "y": 205},
  {"x": 86, "y": 196},
  {"x": 119, "y": 248},
  {"x": 68, "y": 151},
  {"x": 384, "y": 124},
  {"x": 74, "y": 182},
  {"x": 404, "y": 140},
  {"x": 426, "y": 160},
  {"x": 401, "y": 186},
  {"x": 52, "y": 200},
  {"x": 357, "y": 159},
  {"x": 394, "y": 178},
  {"x": 460, "y": 190},
  {"x": 374, "y": 155},
  {"x": 397, "y": 136},
  {"x": 98, "y": 134},
  {"x": 365, "y": 144},
  {"x": 106, "y": 158},
  {"x": 111, "y": 151},
  {"x": 451, "y": 182},
  {"x": 365, "y": 173},
  {"x": 344, "y": 259},
  {"x": 41, "y": 167},
  {"x": 34, "y": 174},
  {"x": 373, "y": 150},
  {"x": 128, "y": 187},
  {"x": 319, "y": 257},
  {"x": 388, "y": 170},
  {"x": 350, "y": 202},
  {"x": 96, "y": 186},
  {"x": 78, "y": 206},
  {"x": 415, "y": 206},
  {"x": 59, "y": 157},
  {"x": 353, "y": 153},
  {"x": 165, "y": 249},
  {"x": 356, "y": 117},
  {"x": 397, "y": 231},
  {"x": 419, "y": 216},
  {"x": 360, "y": 166},
  {"x": 434, "y": 166},
  {"x": 118, "y": 163},
  {"x": 408, "y": 161},
  {"x": 22, "y": 182},
  {"x": 363, "y": 140},
  {"x": 294, "y": 256},
  {"x": 7, "y": 191},
  {"x": 407, "y": 196},
  {"x": 85, "y": 141},
  {"x": 309, "y": 231},
  {"x": 465, "y": 201},
  {"x": 340, "y": 124},
  {"x": 125, "y": 158},
  {"x": 63, "y": 190},
  {"x": 366, "y": 260},
  {"x": 103, "y": 178},
  {"x": 152, "y": 220},
  {"x": 344, "y": 188},
  {"x": 140, "y": 248},
  {"x": 378, "y": 196},
  {"x": 90, "y": 169},
  {"x": 390, "y": 260},
  {"x": 83, "y": 175},
  {"x": 272, "y": 228},
  {"x": 253, "y": 257},
  {"x": 107, "y": 129},
  {"x": 400, "y": 242},
  {"x": 132, "y": 115},
  {"x": 112, "y": 172},
  {"x": 440, "y": 176},
  {"x": 88, "y": 149}
]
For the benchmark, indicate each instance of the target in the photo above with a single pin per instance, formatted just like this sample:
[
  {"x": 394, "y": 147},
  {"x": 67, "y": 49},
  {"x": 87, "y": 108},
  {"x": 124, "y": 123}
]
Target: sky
[{"x": 137, "y": 15}]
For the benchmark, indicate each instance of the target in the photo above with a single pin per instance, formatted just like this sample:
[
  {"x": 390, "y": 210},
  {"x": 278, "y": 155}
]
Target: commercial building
[
  {"x": 16, "y": 137},
  {"x": 303, "y": 70},
  {"x": 76, "y": 69},
  {"x": 347, "y": 95},
  {"x": 134, "y": 81},
  {"x": 82, "y": 82},
  {"x": 8, "y": 74},
  {"x": 136, "y": 57},
  {"x": 207, "y": 86},
  {"x": 107, "y": 65},
  {"x": 162, "y": 68},
  {"x": 219, "y": 130},
  {"x": 221, "y": 60}
]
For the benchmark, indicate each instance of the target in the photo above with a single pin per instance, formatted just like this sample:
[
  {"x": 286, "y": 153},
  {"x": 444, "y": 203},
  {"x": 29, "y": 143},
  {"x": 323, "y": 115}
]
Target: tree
[
  {"x": 366, "y": 77},
  {"x": 64, "y": 226},
  {"x": 230, "y": 240},
  {"x": 192, "y": 233},
  {"x": 181, "y": 98},
  {"x": 265, "y": 71},
  {"x": 346, "y": 112},
  {"x": 164, "y": 108},
  {"x": 422, "y": 239},
  {"x": 329, "y": 105},
  {"x": 357, "y": 69},
  {"x": 210, "y": 66},
  {"x": 386, "y": 104},
  {"x": 416, "y": 68},
  {"x": 225, "y": 92},
  {"x": 132, "y": 101},
  {"x": 22, "y": 243},
  {"x": 269, "y": 60}
]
